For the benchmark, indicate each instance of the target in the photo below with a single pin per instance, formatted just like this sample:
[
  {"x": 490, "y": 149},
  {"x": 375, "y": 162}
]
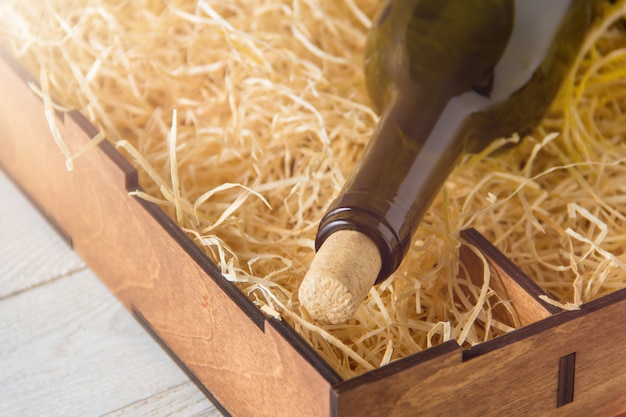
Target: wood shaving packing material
[{"x": 244, "y": 119}]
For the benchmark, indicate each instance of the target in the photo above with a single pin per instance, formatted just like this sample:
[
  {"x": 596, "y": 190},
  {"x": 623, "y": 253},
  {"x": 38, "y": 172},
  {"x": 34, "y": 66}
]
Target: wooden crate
[{"x": 561, "y": 363}]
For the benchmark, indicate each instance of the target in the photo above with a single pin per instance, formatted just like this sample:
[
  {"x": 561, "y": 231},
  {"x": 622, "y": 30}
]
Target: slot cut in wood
[
  {"x": 217, "y": 335},
  {"x": 565, "y": 388}
]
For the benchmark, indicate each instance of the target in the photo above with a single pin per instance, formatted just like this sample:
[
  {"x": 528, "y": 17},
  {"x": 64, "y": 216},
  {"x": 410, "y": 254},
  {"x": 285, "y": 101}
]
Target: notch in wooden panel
[{"x": 565, "y": 387}]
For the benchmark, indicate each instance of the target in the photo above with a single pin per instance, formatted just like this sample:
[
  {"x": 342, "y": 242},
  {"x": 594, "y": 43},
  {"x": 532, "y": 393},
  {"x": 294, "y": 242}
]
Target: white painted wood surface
[{"x": 67, "y": 346}]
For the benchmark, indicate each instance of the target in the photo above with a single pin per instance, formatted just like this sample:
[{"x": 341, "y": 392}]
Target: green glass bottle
[{"x": 448, "y": 77}]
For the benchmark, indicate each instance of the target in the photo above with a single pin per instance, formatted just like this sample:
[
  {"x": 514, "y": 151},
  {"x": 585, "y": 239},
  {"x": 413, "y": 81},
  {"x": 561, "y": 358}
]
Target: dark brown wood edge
[
  {"x": 208, "y": 266},
  {"x": 547, "y": 323},
  {"x": 22, "y": 73},
  {"x": 132, "y": 184},
  {"x": 286, "y": 331},
  {"x": 305, "y": 350},
  {"x": 245, "y": 304},
  {"x": 394, "y": 367},
  {"x": 131, "y": 180},
  {"x": 201, "y": 259},
  {"x": 474, "y": 237},
  {"x": 49, "y": 219},
  {"x": 130, "y": 173},
  {"x": 155, "y": 336},
  {"x": 90, "y": 130}
]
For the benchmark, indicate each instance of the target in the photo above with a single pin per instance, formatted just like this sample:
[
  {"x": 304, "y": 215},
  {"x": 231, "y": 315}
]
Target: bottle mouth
[{"x": 389, "y": 244}]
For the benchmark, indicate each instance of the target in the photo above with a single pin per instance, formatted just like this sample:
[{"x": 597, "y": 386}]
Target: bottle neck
[
  {"x": 399, "y": 175},
  {"x": 423, "y": 132}
]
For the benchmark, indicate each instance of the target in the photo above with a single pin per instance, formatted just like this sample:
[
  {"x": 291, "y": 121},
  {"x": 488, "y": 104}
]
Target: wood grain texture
[
  {"x": 514, "y": 375},
  {"x": 69, "y": 348},
  {"x": 233, "y": 350},
  {"x": 181, "y": 400},
  {"x": 146, "y": 267},
  {"x": 32, "y": 254},
  {"x": 506, "y": 279}
]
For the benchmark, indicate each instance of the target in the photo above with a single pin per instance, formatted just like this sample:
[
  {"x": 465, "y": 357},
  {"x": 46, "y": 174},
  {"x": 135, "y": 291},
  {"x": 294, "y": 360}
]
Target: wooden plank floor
[{"x": 67, "y": 346}]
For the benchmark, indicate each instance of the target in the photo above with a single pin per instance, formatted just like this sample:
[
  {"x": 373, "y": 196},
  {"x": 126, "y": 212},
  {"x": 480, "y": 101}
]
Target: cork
[{"x": 342, "y": 272}]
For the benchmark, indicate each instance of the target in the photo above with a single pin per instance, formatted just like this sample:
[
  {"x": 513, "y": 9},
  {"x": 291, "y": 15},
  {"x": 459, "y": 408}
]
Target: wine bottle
[{"x": 448, "y": 77}]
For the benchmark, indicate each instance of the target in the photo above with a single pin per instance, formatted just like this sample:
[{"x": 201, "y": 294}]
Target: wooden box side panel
[
  {"x": 247, "y": 365},
  {"x": 506, "y": 279},
  {"x": 518, "y": 374}
]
